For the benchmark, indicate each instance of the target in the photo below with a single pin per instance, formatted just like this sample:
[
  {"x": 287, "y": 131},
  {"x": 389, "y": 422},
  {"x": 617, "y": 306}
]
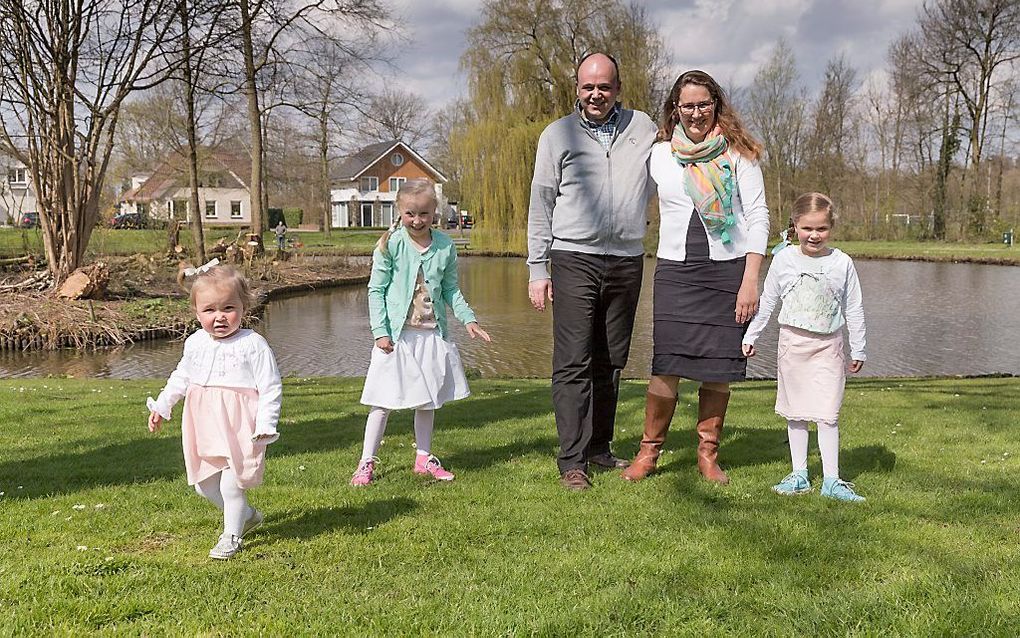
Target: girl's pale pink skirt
[
  {"x": 811, "y": 375},
  {"x": 216, "y": 429}
]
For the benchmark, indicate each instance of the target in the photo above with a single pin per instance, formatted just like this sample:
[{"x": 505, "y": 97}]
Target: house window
[
  {"x": 395, "y": 183},
  {"x": 369, "y": 183},
  {"x": 17, "y": 176},
  {"x": 366, "y": 213},
  {"x": 210, "y": 210},
  {"x": 179, "y": 209},
  {"x": 396, "y": 159},
  {"x": 387, "y": 212},
  {"x": 340, "y": 215},
  {"x": 235, "y": 210}
]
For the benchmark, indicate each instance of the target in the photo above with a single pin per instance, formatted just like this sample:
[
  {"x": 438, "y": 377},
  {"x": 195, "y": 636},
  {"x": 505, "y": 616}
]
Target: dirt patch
[{"x": 144, "y": 302}]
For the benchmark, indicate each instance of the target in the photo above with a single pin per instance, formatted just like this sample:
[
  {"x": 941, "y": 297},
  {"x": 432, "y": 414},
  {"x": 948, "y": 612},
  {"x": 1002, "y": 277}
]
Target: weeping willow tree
[{"x": 520, "y": 64}]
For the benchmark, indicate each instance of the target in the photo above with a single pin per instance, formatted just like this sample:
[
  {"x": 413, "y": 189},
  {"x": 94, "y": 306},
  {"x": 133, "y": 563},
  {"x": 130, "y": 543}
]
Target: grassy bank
[
  {"x": 107, "y": 241},
  {"x": 100, "y": 533}
]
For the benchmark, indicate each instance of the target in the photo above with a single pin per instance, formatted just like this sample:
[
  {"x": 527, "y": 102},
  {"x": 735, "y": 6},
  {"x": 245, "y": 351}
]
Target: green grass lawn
[{"x": 100, "y": 533}]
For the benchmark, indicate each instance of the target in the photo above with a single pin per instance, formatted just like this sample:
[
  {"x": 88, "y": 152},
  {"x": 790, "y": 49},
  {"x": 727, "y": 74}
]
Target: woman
[{"x": 712, "y": 239}]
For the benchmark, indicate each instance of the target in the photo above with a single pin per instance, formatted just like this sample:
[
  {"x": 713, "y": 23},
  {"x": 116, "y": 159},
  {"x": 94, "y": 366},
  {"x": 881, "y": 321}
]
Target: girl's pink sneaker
[
  {"x": 364, "y": 474},
  {"x": 428, "y": 464}
]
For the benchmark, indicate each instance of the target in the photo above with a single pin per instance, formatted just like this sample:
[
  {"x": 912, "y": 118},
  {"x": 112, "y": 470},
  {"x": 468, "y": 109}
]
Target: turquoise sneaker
[
  {"x": 796, "y": 482},
  {"x": 840, "y": 490}
]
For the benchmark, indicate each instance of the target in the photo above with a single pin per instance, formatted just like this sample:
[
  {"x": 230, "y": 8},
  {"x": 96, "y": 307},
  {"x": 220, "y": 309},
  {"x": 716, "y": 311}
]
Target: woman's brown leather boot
[
  {"x": 711, "y": 413},
  {"x": 658, "y": 413}
]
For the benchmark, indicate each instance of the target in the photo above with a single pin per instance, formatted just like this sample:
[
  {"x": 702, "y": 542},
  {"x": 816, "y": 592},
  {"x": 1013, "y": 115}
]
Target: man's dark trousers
[{"x": 594, "y": 301}]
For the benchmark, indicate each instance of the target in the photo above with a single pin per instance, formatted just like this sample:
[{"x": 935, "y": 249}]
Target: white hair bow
[{"x": 191, "y": 272}]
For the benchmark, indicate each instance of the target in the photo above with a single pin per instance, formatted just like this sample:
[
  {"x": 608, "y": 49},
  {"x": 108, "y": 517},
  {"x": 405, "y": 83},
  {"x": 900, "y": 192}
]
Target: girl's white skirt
[
  {"x": 811, "y": 375},
  {"x": 423, "y": 371}
]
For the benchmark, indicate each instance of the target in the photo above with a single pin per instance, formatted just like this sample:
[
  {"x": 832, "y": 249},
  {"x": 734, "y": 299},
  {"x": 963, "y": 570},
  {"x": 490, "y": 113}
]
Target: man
[
  {"x": 587, "y": 219},
  {"x": 281, "y": 235}
]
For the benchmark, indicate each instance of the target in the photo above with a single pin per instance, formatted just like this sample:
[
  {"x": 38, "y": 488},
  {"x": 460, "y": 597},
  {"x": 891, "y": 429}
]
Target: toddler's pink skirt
[
  {"x": 216, "y": 429},
  {"x": 811, "y": 374}
]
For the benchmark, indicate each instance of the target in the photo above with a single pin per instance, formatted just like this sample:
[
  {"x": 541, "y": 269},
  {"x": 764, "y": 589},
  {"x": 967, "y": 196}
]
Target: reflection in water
[{"x": 923, "y": 319}]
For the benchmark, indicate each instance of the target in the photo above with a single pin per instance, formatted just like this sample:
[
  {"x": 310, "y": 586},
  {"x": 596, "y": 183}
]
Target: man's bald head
[
  {"x": 598, "y": 60},
  {"x": 598, "y": 84}
]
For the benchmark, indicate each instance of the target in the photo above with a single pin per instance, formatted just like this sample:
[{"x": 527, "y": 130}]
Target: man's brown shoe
[
  {"x": 608, "y": 460},
  {"x": 575, "y": 480}
]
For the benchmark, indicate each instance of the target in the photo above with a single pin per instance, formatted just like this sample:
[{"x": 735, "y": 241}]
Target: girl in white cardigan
[
  {"x": 232, "y": 392},
  {"x": 820, "y": 291}
]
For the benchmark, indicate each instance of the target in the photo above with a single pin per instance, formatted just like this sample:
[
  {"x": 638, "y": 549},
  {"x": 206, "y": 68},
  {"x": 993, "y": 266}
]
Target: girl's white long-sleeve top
[
  {"x": 841, "y": 276},
  {"x": 242, "y": 360},
  {"x": 749, "y": 235}
]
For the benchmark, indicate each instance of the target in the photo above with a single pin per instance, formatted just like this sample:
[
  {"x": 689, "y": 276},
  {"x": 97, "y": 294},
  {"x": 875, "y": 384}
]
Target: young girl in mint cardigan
[{"x": 414, "y": 280}]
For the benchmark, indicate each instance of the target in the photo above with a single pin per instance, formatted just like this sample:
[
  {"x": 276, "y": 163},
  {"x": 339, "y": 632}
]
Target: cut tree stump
[{"x": 88, "y": 282}]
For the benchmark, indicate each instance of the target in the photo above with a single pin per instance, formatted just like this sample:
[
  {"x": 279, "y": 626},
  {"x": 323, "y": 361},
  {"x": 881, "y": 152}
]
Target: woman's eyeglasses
[{"x": 701, "y": 107}]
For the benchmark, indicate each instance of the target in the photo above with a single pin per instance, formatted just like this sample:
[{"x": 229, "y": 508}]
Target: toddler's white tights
[
  {"x": 222, "y": 491},
  {"x": 828, "y": 445},
  {"x": 375, "y": 427}
]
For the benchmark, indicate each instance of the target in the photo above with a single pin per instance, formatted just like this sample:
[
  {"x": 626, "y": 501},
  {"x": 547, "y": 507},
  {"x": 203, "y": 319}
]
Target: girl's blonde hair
[
  {"x": 809, "y": 203},
  {"x": 739, "y": 139},
  {"x": 410, "y": 188},
  {"x": 222, "y": 276}
]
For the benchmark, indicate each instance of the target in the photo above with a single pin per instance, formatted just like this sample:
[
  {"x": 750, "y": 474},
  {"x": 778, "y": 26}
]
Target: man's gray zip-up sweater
[{"x": 586, "y": 199}]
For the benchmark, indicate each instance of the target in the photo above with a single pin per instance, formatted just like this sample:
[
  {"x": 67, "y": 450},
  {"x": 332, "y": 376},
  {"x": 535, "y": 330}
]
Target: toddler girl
[
  {"x": 414, "y": 280},
  {"x": 231, "y": 389},
  {"x": 819, "y": 287}
]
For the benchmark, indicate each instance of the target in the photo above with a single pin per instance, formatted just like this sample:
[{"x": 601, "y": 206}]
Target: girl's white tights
[
  {"x": 828, "y": 445},
  {"x": 222, "y": 491},
  {"x": 375, "y": 427}
]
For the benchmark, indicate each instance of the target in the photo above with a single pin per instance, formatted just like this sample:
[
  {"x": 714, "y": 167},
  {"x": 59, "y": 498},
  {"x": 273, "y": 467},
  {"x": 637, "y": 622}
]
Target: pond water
[{"x": 923, "y": 319}]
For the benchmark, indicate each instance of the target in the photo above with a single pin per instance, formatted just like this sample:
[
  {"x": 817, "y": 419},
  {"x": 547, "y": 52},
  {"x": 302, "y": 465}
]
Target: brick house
[
  {"x": 365, "y": 184},
  {"x": 223, "y": 194}
]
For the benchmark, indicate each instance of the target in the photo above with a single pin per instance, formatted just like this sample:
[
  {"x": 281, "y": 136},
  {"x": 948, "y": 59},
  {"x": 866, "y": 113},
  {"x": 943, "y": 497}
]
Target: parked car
[
  {"x": 29, "y": 220},
  {"x": 466, "y": 221},
  {"x": 127, "y": 220}
]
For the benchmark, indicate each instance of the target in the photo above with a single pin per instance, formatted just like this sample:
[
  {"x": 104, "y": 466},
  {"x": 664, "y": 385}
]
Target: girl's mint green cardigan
[{"x": 391, "y": 286}]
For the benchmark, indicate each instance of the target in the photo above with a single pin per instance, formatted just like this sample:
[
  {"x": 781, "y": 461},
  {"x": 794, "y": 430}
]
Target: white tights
[
  {"x": 222, "y": 491},
  {"x": 828, "y": 445},
  {"x": 375, "y": 427}
]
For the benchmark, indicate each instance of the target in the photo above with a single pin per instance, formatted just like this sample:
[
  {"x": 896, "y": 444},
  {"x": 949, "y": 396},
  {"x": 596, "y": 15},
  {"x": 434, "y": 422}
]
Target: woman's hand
[
  {"x": 747, "y": 300},
  {"x": 747, "y": 349},
  {"x": 385, "y": 344},
  {"x": 855, "y": 366},
  {"x": 155, "y": 422},
  {"x": 474, "y": 330}
]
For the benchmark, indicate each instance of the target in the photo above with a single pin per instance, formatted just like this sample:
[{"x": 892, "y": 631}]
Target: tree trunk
[
  {"x": 326, "y": 223},
  {"x": 197, "y": 231},
  {"x": 258, "y": 223}
]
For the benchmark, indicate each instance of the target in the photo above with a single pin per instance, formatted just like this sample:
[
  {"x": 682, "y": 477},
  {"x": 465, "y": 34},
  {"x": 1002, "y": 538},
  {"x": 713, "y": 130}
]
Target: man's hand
[
  {"x": 747, "y": 349},
  {"x": 385, "y": 344},
  {"x": 538, "y": 291},
  {"x": 855, "y": 366},
  {"x": 155, "y": 422}
]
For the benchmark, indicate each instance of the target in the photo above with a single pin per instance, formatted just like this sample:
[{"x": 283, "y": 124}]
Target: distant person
[
  {"x": 281, "y": 235},
  {"x": 232, "y": 392},
  {"x": 586, "y": 223},
  {"x": 414, "y": 366},
  {"x": 820, "y": 293},
  {"x": 712, "y": 239}
]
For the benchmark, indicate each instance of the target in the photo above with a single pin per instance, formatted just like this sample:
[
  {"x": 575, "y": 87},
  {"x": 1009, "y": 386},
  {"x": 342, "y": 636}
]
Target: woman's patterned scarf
[{"x": 708, "y": 179}]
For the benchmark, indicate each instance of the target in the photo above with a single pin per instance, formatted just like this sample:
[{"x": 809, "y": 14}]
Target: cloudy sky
[{"x": 748, "y": 29}]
